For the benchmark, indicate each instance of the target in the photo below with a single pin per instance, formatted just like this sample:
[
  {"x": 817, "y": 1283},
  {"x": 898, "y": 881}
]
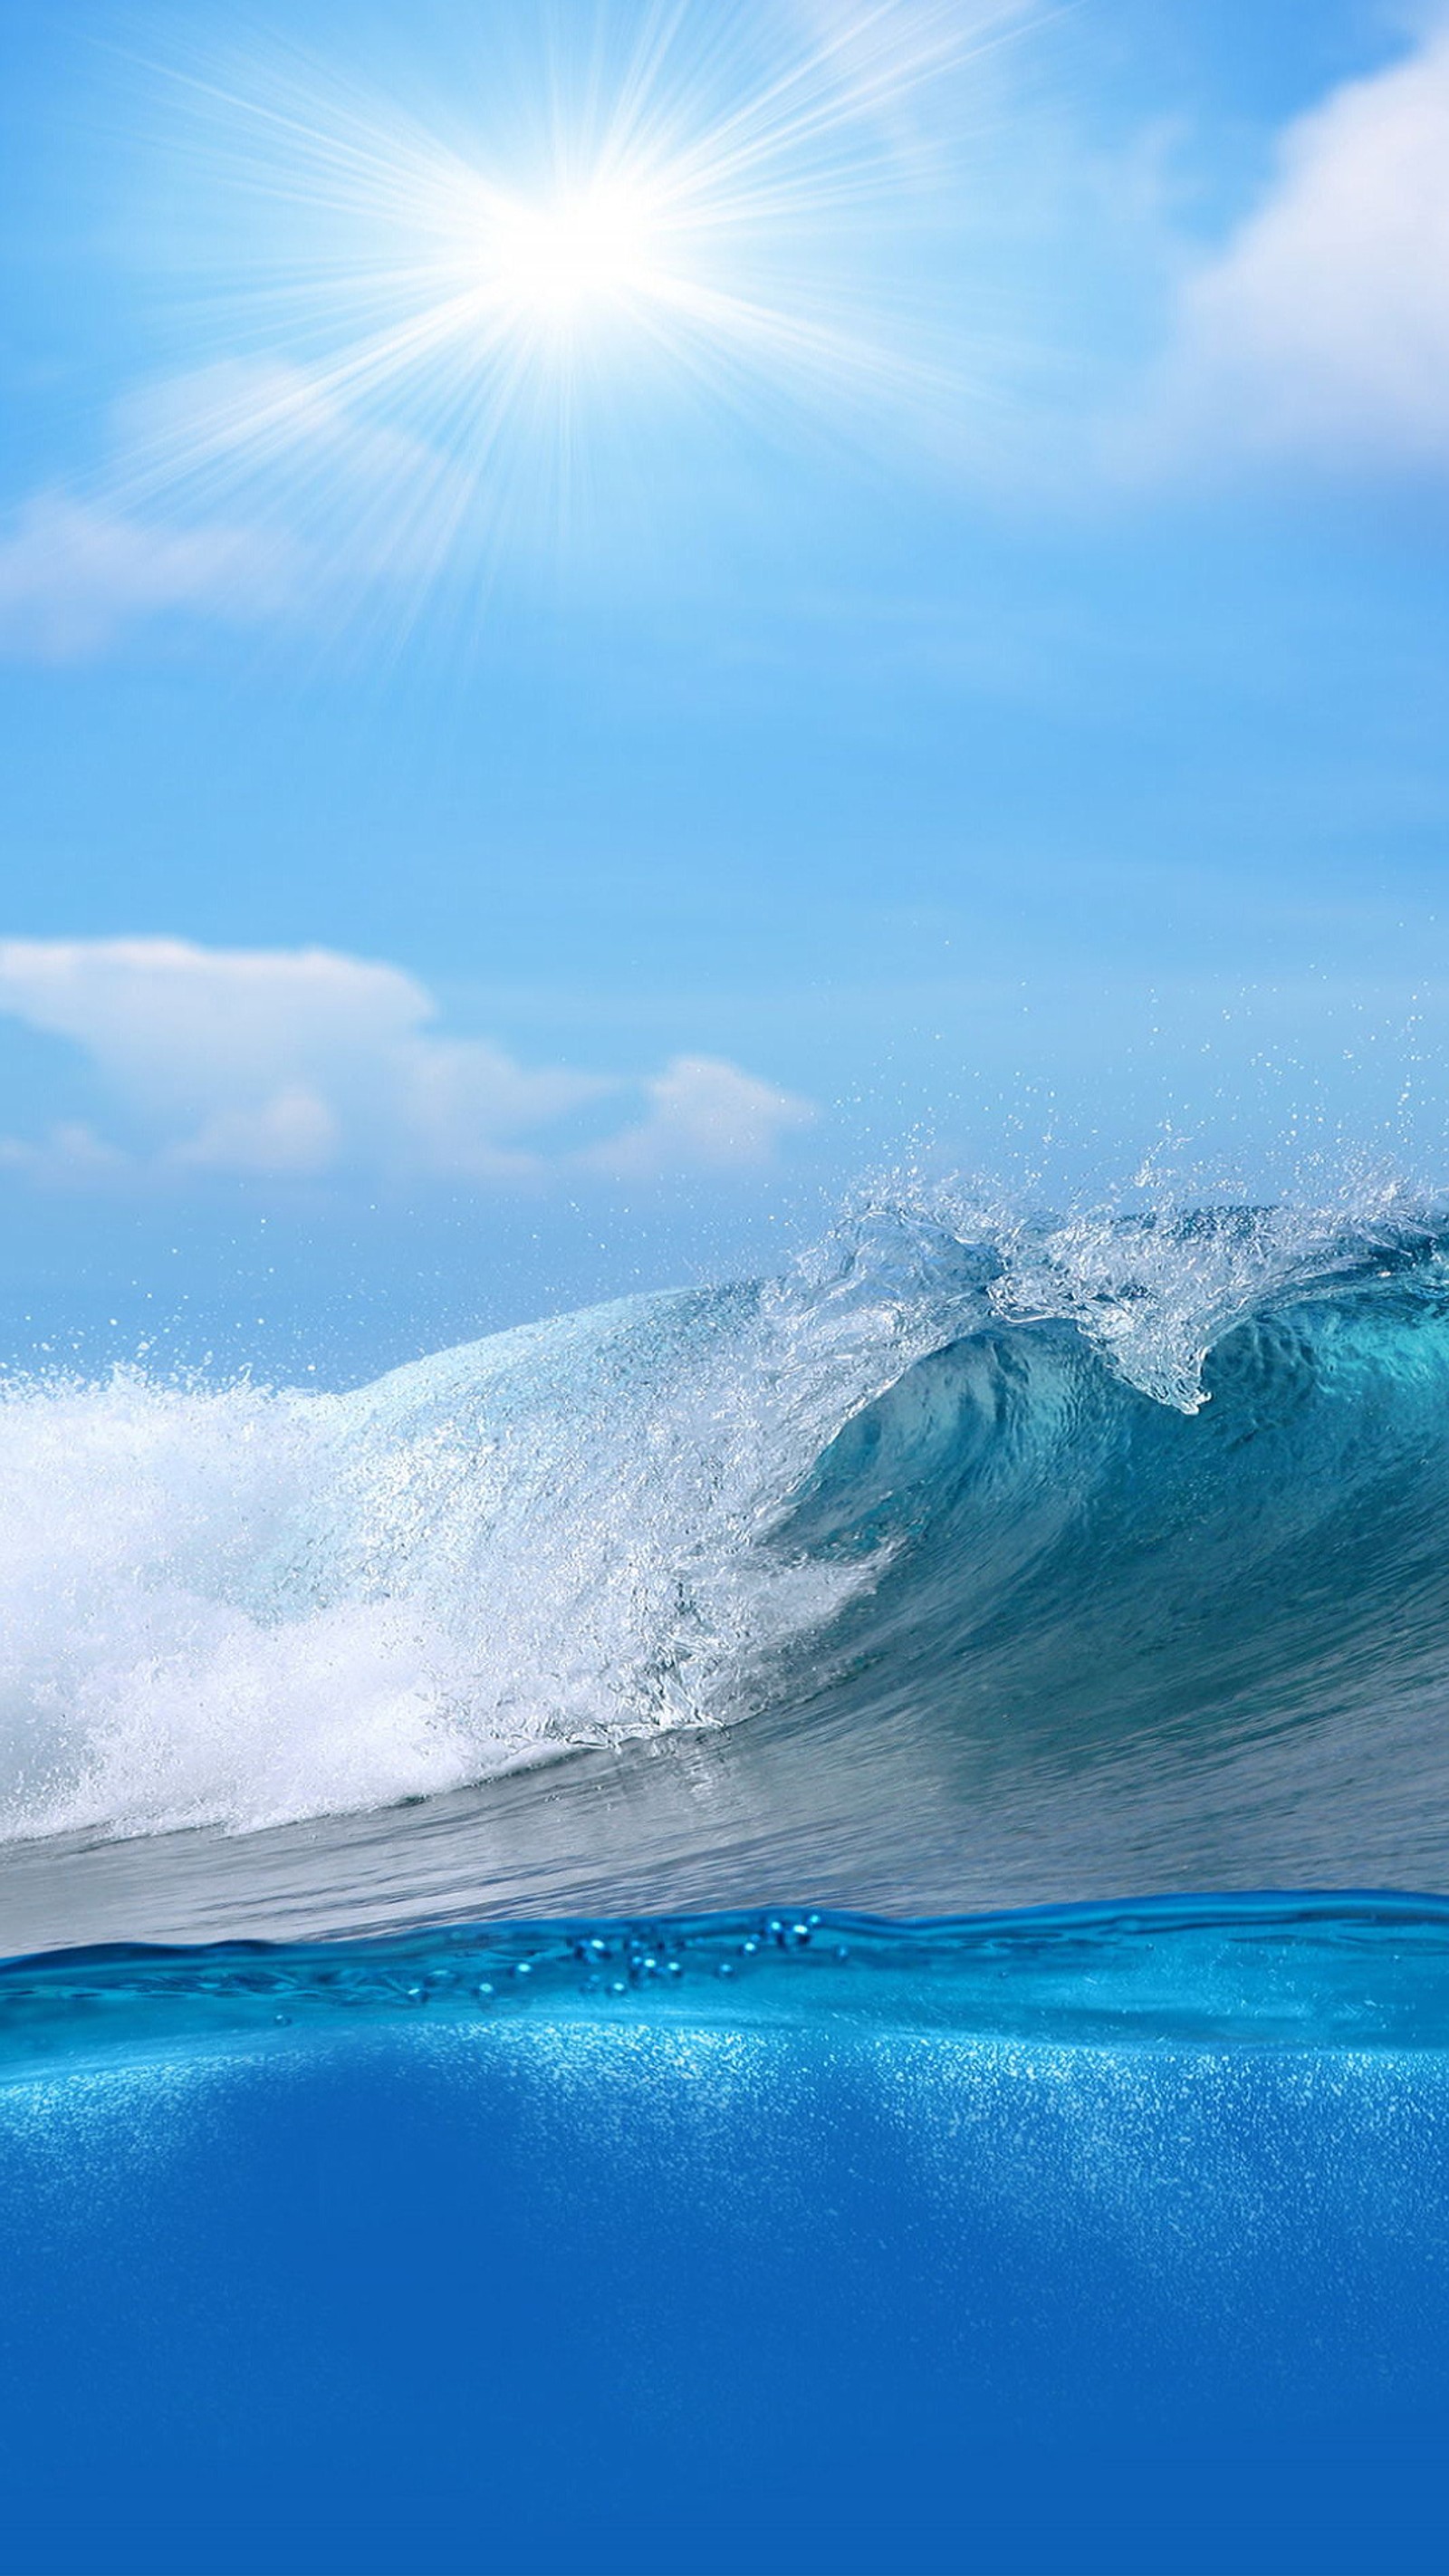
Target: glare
[
  {"x": 672, "y": 219},
  {"x": 570, "y": 258}
]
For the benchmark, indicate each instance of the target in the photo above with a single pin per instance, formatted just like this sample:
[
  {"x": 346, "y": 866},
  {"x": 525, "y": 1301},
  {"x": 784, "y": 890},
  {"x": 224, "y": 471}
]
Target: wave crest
[{"x": 959, "y": 1468}]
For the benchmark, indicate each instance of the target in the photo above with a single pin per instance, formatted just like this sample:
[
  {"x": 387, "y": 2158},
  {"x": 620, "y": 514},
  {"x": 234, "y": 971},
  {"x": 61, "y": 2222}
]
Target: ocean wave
[{"x": 989, "y": 1479}]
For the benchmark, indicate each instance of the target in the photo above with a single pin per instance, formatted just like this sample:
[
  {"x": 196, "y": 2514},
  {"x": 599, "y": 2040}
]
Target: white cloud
[
  {"x": 213, "y": 1051},
  {"x": 351, "y": 497},
  {"x": 328, "y": 497},
  {"x": 295, "y": 1131},
  {"x": 461, "y": 1096},
  {"x": 69, "y": 1151},
  {"x": 73, "y": 576},
  {"x": 704, "y": 1114},
  {"x": 300, "y": 1062},
  {"x": 1322, "y": 330}
]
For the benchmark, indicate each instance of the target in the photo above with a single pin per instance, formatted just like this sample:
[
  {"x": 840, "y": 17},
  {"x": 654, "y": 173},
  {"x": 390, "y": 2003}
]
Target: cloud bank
[{"x": 285, "y": 1064}]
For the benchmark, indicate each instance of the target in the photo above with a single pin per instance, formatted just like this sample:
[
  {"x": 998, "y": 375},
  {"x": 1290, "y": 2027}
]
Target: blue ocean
[{"x": 801, "y": 1926}]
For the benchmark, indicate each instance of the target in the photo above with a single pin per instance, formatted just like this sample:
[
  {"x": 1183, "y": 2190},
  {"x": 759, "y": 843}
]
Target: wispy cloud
[
  {"x": 289, "y": 1064},
  {"x": 74, "y": 576},
  {"x": 704, "y": 1114},
  {"x": 1321, "y": 330},
  {"x": 239, "y": 492}
]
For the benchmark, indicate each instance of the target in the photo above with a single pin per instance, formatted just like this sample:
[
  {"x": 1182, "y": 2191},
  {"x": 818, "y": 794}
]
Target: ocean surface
[{"x": 793, "y": 1926}]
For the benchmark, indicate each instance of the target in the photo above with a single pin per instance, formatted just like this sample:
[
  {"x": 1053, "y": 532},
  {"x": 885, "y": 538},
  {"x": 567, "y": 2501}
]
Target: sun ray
[{"x": 674, "y": 197}]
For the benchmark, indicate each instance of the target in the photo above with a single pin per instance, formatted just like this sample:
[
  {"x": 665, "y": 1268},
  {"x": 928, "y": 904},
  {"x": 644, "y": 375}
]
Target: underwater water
[
  {"x": 1094, "y": 2239},
  {"x": 802, "y": 1926}
]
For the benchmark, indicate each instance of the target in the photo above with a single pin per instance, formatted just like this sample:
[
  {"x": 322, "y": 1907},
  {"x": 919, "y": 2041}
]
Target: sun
[
  {"x": 664, "y": 221},
  {"x": 567, "y": 260}
]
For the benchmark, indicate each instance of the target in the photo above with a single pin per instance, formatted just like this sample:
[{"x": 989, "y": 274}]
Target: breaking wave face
[{"x": 1121, "y": 1538}]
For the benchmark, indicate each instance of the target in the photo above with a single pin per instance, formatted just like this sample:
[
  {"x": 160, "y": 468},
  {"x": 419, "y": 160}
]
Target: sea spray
[{"x": 1057, "y": 1482}]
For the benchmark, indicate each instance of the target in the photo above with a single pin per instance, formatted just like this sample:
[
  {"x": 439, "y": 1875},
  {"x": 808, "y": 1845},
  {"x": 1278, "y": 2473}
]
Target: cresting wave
[{"x": 1161, "y": 1494}]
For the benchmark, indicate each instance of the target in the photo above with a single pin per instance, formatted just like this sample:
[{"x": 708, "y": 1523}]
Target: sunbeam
[{"x": 429, "y": 335}]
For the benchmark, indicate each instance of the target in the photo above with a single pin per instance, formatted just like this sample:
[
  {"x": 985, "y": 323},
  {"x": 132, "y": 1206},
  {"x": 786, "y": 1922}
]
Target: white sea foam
[
  {"x": 239, "y": 1607},
  {"x": 142, "y": 1682},
  {"x": 1154, "y": 1275}
]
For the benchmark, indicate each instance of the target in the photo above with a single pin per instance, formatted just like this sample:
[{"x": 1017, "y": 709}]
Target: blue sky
[{"x": 993, "y": 715}]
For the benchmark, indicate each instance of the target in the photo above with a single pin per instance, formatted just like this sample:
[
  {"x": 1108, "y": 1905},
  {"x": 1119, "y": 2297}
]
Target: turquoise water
[
  {"x": 1342, "y": 1972},
  {"x": 802, "y": 1926}
]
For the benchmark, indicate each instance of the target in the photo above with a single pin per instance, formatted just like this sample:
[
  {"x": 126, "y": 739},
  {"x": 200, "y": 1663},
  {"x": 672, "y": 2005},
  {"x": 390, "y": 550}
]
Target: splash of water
[{"x": 236, "y": 1607}]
